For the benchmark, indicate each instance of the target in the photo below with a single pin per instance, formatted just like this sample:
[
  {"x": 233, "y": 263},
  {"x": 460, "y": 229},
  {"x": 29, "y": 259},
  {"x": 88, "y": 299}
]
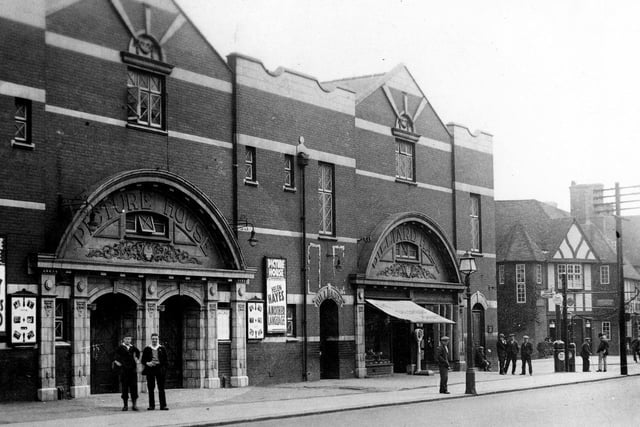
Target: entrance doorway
[
  {"x": 329, "y": 333},
  {"x": 114, "y": 316},
  {"x": 478, "y": 326},
  {"x": 180, "y": 334},
  {"x": 401, "y": 343}
]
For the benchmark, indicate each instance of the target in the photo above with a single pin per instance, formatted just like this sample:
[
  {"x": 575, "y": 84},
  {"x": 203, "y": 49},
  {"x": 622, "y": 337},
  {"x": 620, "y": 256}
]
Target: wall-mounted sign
[
  {"x": 255, "y": 320},
  {"x": 276, "y": 293},
  {"x": 3, "y": 284},
  {"x": 224, "y": 323},
  {"x": 23, "y": 319}
]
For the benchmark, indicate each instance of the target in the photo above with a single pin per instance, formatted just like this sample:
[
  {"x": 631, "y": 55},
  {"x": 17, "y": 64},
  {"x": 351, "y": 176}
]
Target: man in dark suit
[
  {"x": 442, "y": 356},
  {"x": 502, "y": 353},
  {"x": 127, "y": 356},
  {"x": 512, "y": 354},
  {"x": 154, "y": 360},
  {"x": 526, "y": 350},
  {"x": 585, "y": 353}
]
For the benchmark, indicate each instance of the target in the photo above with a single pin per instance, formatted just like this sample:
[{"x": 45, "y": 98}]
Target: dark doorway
[
  {"x": 329, "y": 333},
  {"x": 114, "y": 316},
  {"x": 478, "y": 326},
  {"x": 179, "y": 333},
  {"x": 401, "y": 338}
]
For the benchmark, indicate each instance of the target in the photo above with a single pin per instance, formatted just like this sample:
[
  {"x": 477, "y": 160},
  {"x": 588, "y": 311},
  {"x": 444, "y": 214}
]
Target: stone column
[
  {"x": 361, "y": 366},
  {"x": 149, "y": 321},
  {"x": 47, "y": 344},
  {"x": 210, "y": 337},
  {"x": 81, "y": 342},
  {"x": 239, "y": 376}
]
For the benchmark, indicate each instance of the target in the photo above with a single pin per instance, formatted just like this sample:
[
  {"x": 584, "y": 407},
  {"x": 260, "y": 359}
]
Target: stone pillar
[
  {"x": 239, "y": 376},
  {"x": 81, "y": 342},
  {"x": 209, "y": 327},
  {"x": 149, "y": 320},
  {"x": 47, "y": 344},
  {"x": 361, "y": 366}
]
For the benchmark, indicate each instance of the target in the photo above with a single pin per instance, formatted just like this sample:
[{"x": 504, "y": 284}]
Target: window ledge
[
  {"x": 147, "y": 129},
  {"x": 23, "y": 145},
  {"x": 251, "y": 183},
  {"x": 63, "y": 343},
  {"x": 293, "y": 339},
  {"x": 326, "y": 237},
  {"x": 289, "y": 189},
  {"x": 406, "y": 181}
]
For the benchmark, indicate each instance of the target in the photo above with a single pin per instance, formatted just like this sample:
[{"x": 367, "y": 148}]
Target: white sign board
[
  {"x": 23, "y": 320},
  {"x": 276, "y": 294},
  {"x": 3, "y": 285},
  {"x": 255, "y": 320}
]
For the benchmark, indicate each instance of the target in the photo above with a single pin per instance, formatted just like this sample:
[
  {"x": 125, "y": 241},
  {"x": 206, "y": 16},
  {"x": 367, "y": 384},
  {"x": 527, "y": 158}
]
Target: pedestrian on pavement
[
  {"x": 525, "y": 355},
  {"x": 481, "y": 359},
  {"x": 512, "y": 354},
  {"x": 127, "y": 356},
  {"x": 635, "y": 349},
  {"x": 154, "y": 360},
  {"x": 502, "y": 353},
  {"x": 585, "y": 353},
  {"x": 603, "y": 351},
  {"x": 442, "y": 356}
]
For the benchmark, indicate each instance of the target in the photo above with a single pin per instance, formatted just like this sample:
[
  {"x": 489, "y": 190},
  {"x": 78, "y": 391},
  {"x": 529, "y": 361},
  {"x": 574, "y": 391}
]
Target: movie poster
[
  {"x": 276, "y": 295},
  {"x": 3, "y": 286}
]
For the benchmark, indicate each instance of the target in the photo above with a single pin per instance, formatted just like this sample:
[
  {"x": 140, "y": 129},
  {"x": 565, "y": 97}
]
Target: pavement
[{"x": 199, "y": 407}]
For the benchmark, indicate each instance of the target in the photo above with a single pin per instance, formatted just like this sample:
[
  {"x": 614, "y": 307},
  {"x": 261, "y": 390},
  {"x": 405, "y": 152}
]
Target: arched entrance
[
  {"x": 329, "y": 333},
  {"x": 180, "y": 333},
  {"x": 478, "y": 325},
  {"x": 114, "y": 315}
]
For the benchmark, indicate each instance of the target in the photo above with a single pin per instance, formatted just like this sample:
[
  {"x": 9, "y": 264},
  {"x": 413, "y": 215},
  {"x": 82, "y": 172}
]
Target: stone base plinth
[
  {"x": 80, "y": 391},
  {"x": 239, "y": 381},
  {"x": 47, "y": 394},
  {"x": 211, "y": 383}
]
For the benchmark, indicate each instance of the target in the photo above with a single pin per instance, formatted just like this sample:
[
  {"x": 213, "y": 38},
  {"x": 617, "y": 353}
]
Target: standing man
[
  {"x": 442, "y": 356},
  {"x": 127, "y": 356},
  {"x": 525, "y": 355},
  {"x": 603, "y": 351},
  {"x": 512, "y": 354},
  {"x": 502, "y": 353},
  {"x": 585, "y": 353},
  {"x": 154, "y": 359},
  {"x": 635, "y": 349}
]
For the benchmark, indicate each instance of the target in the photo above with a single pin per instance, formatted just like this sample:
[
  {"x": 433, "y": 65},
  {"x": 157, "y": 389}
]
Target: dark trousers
[
  {"x": 129, "y": 384},
  {"x": 444, "y": 378},
  {"x": 510, "y": 359},
  {"x": 502, "y": 360},
  {"x": 585, "y": 364},
  {"x": 156, "y": 376},
  {"x": 526, "y": 361}
]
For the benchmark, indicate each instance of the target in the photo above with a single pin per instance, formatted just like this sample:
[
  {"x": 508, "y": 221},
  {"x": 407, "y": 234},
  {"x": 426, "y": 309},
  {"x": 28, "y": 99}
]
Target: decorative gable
[{"x": 574, "y": 246}]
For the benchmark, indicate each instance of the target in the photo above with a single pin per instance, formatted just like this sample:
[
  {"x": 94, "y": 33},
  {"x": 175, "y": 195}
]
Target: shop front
[
  {"x": 407, "y": 296},
  {"x": 145, "y": 252}
]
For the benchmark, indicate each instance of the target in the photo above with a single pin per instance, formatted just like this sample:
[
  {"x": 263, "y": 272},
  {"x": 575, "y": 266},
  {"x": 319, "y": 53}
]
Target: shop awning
[{"x": 407, "y": 310}]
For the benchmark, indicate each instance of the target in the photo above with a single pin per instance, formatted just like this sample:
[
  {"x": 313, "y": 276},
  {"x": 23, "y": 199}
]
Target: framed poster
[
  {"x": 276, "y": 293},
  {"x": 255, "y": 320},
  {"x": 23, "y": 318},
  {"x": 3, "y": 285},
  {"x": 223, "y": 323}
]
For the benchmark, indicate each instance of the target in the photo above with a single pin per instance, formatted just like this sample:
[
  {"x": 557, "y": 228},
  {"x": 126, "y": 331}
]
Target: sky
[{"x": 557, "y": 83}]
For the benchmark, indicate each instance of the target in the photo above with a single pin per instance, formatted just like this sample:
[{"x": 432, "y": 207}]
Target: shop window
[
  {"x": 475, "y": 223},
  {"x": 407, "y": 252},
  {"x": 405, "y": 160},
  {"x": 604, "y": 274},
  {"x": 326, "y": 199},
  {"x": 61, "y": 320},
  {"x": 289, "y": 174},
  {"x": 145, "y": 99},
  {"x": 250, "y": 165},
  {"x": 291, "y": 320},
  {"x": 147, "y": 224},
  {"x": 22, "y": 122}
]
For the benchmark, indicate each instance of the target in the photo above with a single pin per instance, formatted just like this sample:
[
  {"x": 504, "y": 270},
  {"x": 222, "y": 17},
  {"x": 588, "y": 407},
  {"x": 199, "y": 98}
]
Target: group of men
[
  {"x": 603, "y": 351},
  {"x": 508, "y": 351},
  {"x": 154, "y": 362}
]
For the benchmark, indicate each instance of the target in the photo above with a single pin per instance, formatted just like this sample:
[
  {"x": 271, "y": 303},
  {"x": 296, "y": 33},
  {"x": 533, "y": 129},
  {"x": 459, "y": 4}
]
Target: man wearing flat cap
[
  {"x": 501, "y": 346},
  {"x": 526, "y": 350},
  {"x": 442, "y": 356},
  {"x": 585, "y": 353},
  {"x": 512, "y": 354}
]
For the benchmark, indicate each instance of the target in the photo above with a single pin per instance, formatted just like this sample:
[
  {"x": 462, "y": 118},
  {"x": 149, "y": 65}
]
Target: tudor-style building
[{"x": 270, "y": 227}]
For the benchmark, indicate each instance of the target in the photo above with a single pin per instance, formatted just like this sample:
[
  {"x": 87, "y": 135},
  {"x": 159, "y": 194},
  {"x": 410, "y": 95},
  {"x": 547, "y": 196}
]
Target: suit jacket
[
  {"x": 147, "y": 356},
  {"x": 512, "y": 348},
  {"x": 442, "y": 356},
  {"x": 586, "y": 349},
  {"x": 526, "y": 350},
  {"x": 502, "y": 348},
  {"x": 127, "y": 357}
]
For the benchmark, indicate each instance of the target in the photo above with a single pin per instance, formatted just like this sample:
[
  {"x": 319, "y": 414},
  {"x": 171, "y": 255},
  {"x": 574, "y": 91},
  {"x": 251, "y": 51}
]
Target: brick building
[{"x": 268, "y": 226}]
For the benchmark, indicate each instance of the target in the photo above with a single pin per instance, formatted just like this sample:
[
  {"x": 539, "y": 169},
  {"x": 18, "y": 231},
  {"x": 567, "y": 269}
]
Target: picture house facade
[{"x": 271, "y": 228}]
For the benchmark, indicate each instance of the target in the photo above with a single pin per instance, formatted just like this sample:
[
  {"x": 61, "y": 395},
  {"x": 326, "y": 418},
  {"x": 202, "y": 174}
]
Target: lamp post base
[{"x": 471, "y": 381}]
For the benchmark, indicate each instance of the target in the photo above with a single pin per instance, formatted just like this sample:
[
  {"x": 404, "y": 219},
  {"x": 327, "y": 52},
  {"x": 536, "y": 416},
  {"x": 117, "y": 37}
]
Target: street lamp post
[{"x": 468, "y": 267}]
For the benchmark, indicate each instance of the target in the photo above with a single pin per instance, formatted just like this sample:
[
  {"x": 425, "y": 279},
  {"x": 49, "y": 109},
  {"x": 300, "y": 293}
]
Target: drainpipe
[{"x": 303, "y": 161}]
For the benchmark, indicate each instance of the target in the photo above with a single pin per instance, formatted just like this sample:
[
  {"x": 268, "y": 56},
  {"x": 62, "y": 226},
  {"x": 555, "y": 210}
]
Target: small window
[
  {"x": 289, "y": 176},
  {"x": 474, "y": 217},
  {"x": 60, "y": 324},
  {"x": 291, "y": 320},
  {"x": 145, "y": 99},
  {"x": 406, "y": 251},
  {"x": 147, "y": 224},
  {"x": 405, "y": 160},
  {"x": 22, "y": 122},
  {"x": 538, "y": 274},
  {"x": 521, "y": 295},
  {"x": 250, "y": 164},
  {"x": 501, "y": 274},
  {"x": 604, "y": 274},
  {"x": 520, "y": 273},
  {"x": 326, "y": 196},
  {"x": 606, "y": 329}
]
